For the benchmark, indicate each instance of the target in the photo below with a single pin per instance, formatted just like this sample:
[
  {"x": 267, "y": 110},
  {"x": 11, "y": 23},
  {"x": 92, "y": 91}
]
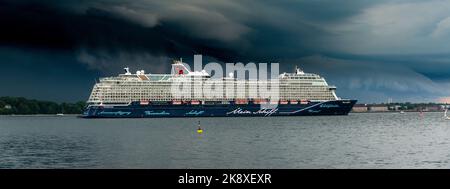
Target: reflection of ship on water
[{"x": 149, "y": 95}]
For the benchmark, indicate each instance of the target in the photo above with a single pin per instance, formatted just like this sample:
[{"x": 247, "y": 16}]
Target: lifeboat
[
  {"x": 273, "y": 102},
  {"x": 176, "y": 102},
  {"x": 195, "y": 102},
  {"x": 283, "y": 102},
  {"x": 293, "y": 102},
  {"x": 241, "y": 101},
  {"x": 144, "y": 102},
  {"x": 304, "y": 102}
]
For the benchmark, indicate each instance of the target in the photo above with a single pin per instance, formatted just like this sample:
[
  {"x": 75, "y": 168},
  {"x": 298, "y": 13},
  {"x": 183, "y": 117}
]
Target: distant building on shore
[
  {"x": 395, "y": 107},
  {"x": 431, "y": 108},
  {"x": 378, "y": 108},
  {"x": 370, "y": 108},
  {"x": 360, "y": 108}
]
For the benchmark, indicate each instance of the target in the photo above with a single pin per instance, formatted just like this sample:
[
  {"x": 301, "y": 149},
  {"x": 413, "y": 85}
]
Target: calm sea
[{"x": 370, "y": 140}]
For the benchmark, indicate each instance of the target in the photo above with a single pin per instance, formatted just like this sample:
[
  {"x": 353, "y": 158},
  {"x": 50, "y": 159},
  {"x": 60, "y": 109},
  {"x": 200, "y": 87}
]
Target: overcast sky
[{"x": 371, "y": 50}]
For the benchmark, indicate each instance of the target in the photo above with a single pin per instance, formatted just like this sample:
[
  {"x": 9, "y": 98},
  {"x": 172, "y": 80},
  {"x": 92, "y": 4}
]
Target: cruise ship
[{"x": 141, "y": 95}]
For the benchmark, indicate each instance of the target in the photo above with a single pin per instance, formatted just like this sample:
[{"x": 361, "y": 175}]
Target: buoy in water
[{"x": 199, "y": 129}]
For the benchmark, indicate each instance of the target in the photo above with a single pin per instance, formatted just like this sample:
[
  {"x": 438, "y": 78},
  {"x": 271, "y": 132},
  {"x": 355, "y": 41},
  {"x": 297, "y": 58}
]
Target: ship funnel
[
  {"x": 178, "y": 68},
  {"x": 127, "y": 71}
]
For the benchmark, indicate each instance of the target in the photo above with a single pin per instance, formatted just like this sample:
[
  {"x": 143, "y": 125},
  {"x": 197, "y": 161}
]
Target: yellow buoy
[{"x": 199, "y": 130}]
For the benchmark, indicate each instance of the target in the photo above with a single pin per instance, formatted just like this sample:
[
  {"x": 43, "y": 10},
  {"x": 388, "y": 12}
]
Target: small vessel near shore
[
  {"x": 61, "y": 113},
  {"x": 445, "y": 114},
  {"x": 143, "y": 95}
]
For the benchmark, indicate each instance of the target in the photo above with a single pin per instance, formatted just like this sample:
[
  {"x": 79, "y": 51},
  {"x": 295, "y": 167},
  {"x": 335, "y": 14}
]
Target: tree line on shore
[{"x": 21, "y": 105}]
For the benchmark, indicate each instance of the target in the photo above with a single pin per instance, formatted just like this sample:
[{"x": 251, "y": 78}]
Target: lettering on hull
[
  {"x": 329, "y": 106},
  {"x": 195, "y": 113},
  {"x": 120, "y": 113},
  {"x": 314, "y": 111},
  {"x": 156, "y": 113},
  {"x": 240, "y": 111}
]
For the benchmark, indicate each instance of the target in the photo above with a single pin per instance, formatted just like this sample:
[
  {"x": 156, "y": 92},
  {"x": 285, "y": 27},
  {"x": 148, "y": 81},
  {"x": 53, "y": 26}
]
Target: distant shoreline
[
  {"x": 23, "y": 106},
  {"x": 396, "y": 112}
]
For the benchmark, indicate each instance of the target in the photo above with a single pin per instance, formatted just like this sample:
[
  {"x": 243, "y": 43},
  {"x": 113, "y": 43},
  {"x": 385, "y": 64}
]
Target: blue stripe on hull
[{"x": 336, "y": 107}]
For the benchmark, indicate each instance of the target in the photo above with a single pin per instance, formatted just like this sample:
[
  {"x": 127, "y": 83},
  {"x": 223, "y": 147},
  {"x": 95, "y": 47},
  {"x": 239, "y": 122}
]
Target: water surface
[{"x": 366, "y": 140}]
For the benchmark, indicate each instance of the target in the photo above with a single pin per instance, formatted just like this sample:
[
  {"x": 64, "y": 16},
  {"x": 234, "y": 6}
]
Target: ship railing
[{"x": 108, "y": 104}]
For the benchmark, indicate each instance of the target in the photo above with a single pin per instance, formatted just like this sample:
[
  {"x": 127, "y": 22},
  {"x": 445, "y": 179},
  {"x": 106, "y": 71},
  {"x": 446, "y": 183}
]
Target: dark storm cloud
[
  {"x": 375, "y": 80},
  {"x": 384, "y": 38},
  {"x": 223, "y": 29},
  {"x": 44, "y": 74},
  {"x": 58, "y": 25}
]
